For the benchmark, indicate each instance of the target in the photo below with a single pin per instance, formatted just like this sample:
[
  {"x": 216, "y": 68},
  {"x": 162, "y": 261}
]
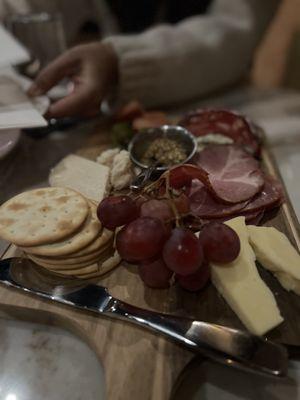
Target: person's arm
[
  {"x": 165, "y": 65},
  {"x": 8, "y": 7},
  {"x": 170, "y": 64}
]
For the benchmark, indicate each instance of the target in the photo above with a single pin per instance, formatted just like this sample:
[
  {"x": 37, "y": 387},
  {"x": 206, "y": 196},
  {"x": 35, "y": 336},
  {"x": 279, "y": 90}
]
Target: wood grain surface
[{"x": 140, "y": 365}]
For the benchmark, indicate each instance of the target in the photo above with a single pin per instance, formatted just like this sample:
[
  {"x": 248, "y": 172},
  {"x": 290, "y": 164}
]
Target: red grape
[
  {"x": 157, "y": 209},
  {"x": 195, "y": 281},
  {"x": 220, "y": 243},
  {"x": 141, "y": 240},
  {"x": 182, "y": 252},
  {"x": 116, "y": 211},
  {"x": 141, "y": 199},
  {"x": 155, "y": 274}
]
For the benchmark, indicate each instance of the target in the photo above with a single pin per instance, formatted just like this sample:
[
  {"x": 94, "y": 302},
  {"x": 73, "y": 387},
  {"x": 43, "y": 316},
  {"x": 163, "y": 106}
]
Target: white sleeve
[{"x": 170, "y": 64}]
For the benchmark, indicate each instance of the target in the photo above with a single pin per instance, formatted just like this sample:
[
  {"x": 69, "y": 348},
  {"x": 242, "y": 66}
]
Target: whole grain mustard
[{"x": 164, "y": 151}]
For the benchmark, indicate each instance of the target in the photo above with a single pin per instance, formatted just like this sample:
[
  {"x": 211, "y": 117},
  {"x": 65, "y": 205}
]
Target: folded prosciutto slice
[{"x": 233, "y": 175}]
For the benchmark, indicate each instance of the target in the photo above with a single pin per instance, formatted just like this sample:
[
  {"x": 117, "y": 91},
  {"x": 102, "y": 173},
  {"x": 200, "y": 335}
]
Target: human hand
[{"x": 93, "y": 70}]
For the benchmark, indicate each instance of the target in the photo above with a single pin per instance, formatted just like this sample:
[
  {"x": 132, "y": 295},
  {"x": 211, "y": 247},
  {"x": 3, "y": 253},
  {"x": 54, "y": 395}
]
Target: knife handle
[{"x": 220, "y": 343}]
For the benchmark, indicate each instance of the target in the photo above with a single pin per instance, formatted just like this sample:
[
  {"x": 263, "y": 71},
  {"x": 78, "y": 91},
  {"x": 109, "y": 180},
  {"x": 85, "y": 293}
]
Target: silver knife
[{"x": 228, "y": 346}]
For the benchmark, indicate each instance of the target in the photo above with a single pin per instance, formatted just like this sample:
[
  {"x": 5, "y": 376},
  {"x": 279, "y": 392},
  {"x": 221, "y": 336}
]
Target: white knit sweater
[{"x": 171, "y": 64}]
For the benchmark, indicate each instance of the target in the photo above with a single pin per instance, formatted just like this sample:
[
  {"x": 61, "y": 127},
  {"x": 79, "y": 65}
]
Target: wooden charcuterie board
[{"x": 139, "y": 364}]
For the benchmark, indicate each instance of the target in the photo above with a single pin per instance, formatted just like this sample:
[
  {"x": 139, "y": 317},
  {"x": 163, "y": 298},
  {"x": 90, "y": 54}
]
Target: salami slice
[
  {"x": 204, "y": 205},
  {"x": 233, "y": 175},
  {"x": 222, "y": 122}
]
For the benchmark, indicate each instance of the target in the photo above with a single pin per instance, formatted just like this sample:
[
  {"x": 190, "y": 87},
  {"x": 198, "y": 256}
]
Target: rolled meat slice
[{"x": 233, "y": 175}]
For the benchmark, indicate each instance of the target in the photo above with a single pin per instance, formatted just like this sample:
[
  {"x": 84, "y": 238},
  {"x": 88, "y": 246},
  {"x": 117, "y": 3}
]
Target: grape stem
[
  {"x": 171, "y": 201},
  {"x": 165, "y": 180},
  {"x": 172, "y": 279},
  {"x": 150, "y": 187}
]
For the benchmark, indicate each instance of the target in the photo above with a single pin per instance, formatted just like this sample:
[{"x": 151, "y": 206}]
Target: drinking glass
[{"x": 42, "y": 34}]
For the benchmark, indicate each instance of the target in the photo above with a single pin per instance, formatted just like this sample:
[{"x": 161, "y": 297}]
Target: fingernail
[{"x": 34, "y": 90}]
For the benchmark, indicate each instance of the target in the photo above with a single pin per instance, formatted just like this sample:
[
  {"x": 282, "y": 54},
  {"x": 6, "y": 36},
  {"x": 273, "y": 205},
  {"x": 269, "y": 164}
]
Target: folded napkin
[{"x": 16, "y": 109}]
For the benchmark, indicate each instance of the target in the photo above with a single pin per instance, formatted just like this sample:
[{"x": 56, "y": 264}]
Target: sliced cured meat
[
  {"x": 183, "y": 175},
  {"x": 233, "y": 175},
  {"x": 204, "y": 205},
  {"x": 269, "y": 197},
  {"x": 278, "y": 187},
  {"x": 254, "y": 218},
  {"x": 150, "y": 119},
  {"x": 196, "y": 223},
  {"x": 224, "y": 122},
  {"x": 129, "y": 111}
]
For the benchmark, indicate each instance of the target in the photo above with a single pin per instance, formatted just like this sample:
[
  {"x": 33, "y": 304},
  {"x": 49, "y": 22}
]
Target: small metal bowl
[{"x": 142, "y": 140}]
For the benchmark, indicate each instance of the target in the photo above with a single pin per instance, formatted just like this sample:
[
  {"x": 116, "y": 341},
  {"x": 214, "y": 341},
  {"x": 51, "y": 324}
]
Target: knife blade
[{"x": 228, "y": 346}]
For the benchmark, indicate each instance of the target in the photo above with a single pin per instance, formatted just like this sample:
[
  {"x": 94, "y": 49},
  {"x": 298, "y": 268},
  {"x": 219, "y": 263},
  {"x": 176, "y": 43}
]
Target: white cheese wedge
[
  {"x": 87, "y": 177},
  {"x": 243, "y": 289},
  {"x": 275, "y": 253}
]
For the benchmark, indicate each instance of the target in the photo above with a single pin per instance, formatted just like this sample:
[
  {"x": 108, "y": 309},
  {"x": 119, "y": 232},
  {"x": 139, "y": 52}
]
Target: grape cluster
[{"x": 147, "y": 237}]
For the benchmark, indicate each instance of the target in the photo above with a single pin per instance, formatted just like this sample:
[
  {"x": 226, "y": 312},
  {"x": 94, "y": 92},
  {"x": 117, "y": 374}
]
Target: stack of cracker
[{"x": 58, "y": 229}]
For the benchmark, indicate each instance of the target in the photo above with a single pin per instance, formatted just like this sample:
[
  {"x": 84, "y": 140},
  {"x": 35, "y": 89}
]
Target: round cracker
[
  {"x": 42, "y": 216},
  {"x": 102, "y": 269},
  {"x": 89, "y": 269},
  {"x": 101, "y": 241},
  {"x": 65, "y": 262},
  {"x": 105, "y": 267},
  {"x": 78, "y": 241},
  {"x": 62, "y": 266}
]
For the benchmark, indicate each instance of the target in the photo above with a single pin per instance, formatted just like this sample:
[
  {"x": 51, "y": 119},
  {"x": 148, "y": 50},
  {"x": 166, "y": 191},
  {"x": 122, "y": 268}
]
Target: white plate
[
  {"x": 8, "y": 141},
  {"x": 204, "y": 380}
]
